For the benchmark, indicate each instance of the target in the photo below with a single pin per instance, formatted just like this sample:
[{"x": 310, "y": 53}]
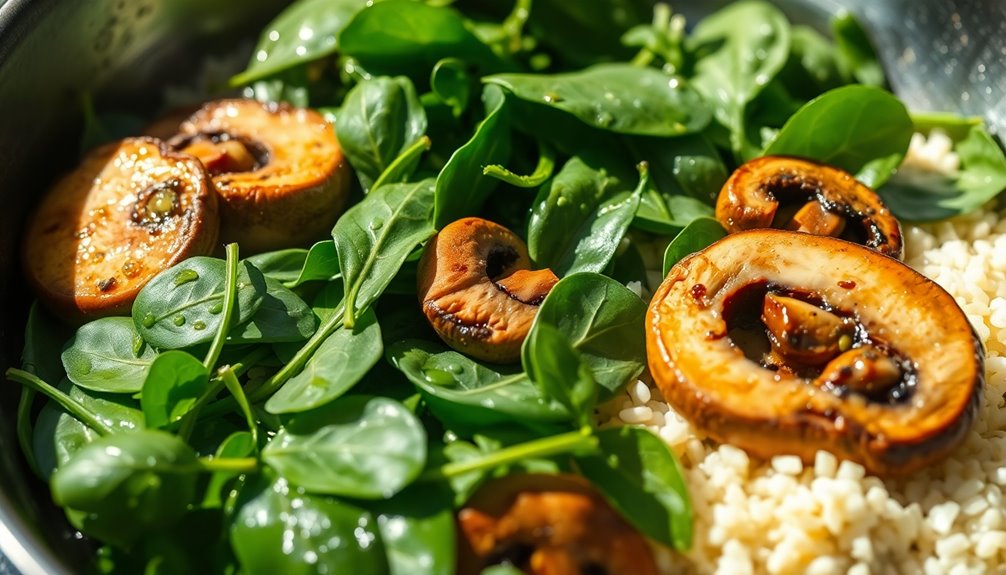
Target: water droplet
[
  {"x": 438, "y": 377},
  {"x": 148, "y": 320},
  {"x": 562, "y": 201},
  {"x": 178, "y": 320},
  {"x": 376, "y": 224},
  {"x": 216, "y": 308},
  {"x": 552, "y": 98},
  {"x": 455, "y": 368},
  {"x": 199, "y": 325},
  {"x": 186, "y": 276},
  {"x": 604, "y": 119},
  {"x": 137, "y": 345}
]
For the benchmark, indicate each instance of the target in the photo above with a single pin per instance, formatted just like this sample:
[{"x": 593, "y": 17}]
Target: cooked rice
[{"x": 781, "y": 516}]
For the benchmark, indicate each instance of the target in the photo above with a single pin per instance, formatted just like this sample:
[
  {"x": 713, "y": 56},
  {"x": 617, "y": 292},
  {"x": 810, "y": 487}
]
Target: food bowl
[{"x": 939, "y": 55}]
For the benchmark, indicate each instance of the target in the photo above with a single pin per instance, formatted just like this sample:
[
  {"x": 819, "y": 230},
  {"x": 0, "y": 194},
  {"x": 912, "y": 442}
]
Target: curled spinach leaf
[
  {"x": 379, "y": 119},
  {"x": 362, "y": 447},
  {"x": 321, "y": 263},
  {"x": 278, "y": 528},
  {"x": 860, "y": 129},
  {"x": 639, "y": 476},
  {"x": 181, "y": 307},
  {"x": 451, "y": 81},
  {"x": 108, "y": 355},
  {"x": 617, "y": 97}
]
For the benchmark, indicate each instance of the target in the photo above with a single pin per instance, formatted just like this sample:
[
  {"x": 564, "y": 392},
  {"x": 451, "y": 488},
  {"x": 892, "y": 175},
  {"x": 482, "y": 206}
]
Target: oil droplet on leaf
[
  {"x": 178, "y": 320},
  {"x": 199, "y": 325},
  {"x": 148, "y": 320}
]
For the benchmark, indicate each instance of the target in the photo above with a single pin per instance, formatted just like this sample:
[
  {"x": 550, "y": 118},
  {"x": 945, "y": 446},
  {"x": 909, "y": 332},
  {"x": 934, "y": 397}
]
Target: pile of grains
[{"x": 781, "y": 516}]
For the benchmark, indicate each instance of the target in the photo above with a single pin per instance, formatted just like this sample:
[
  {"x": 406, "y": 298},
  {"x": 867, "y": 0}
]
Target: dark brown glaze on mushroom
[
  {"x": 548, "y": 525},
  {"x": 279, "y": 171},
  {"x": 477, "y": 290},
  {"x": 897, "y": 395},
  {"x": 129, "y": 210},
  {"x": 823, "y": 200}
]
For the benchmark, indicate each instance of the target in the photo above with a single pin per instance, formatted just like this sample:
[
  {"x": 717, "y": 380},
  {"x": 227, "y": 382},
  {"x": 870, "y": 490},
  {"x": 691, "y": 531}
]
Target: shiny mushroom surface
[
  {"x": 805, "y": 196},
  {"x": 279, "y": 171},
  {"x": 477, "y": 290},
  {"x": 548, "y": 525},
  {"x": 897, "y": 396},
  {"x": 129, "y": 210}
]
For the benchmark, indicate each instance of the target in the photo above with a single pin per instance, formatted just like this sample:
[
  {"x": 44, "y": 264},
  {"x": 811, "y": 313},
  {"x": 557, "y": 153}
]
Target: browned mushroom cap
[
  {"x": 895, "y": 426},
  {"x": 130, "y": 210},
  {"x": 279, "y": 171},
  {"x": 548, "y": 525},
  {"x": 476, "y": 289},
  {"x": 833, "y": 202}
]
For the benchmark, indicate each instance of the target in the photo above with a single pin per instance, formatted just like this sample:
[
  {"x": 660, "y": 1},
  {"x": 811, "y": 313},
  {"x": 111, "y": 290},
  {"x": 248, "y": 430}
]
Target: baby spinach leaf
[
  {"x": 120, "y": 487},
  {"x": 379, "y": 119},
  {"x": 306, "y": 30},
  {"x": 461, "y": 185},
  {"x": 579, "y": 218},
  {"x": 278, "y": 528},
  {"x": 466, "y": 394},
  {"x": 639, "y": 476},
  {"x": 406, "y": 37},
  {"x": 59, "y": 435},
  {"x": 604, "y": 322},
  {"x": 616, "y": 97},
  {"x": 686, "y": 174},
  {"x": 375, "y": 236},
  {"x": 282, "y": 317},
  {"x": 860, "y": 129},
  {"x": 44, "y": 336},
  {"x": 175, "y": 382},
  {"x": 918, "y": 196},
  {"x": 322, "y": 263},
  {"x": 417, "y": 527},
  {"x": 181, "y": 307},
  {"x": 109, "y": 355},
  {"x": 237, "y": 444},
  {"x": 738, "y": 50},
  {"x": 359, "y": 446},
  {"x": 559, "y": 371},
  {"x": 856, "y": 56},
  {"x": 696, "y": 236},
  {"x": 583, "y": 33},
  {"x": 451, "y": 81},
  {"x": 282, "y": 265},
  {"x": 812, "y": 67},
  {"x": 337, "y": 365}
]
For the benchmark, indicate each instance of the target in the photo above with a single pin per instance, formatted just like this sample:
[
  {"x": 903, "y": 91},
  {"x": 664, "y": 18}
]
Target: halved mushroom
[
  {"x": 130, "y": 210},
  {"x": 477, "y": 290},
  {"x": 279, "y": 171},
  {"x": 894, "y": 425},
  {"x": 834, "y": 203},
  {"x": 548, "y": 525}
]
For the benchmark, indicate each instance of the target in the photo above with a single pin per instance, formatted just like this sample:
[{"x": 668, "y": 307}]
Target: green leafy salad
[{"x": 293, "y": 411}]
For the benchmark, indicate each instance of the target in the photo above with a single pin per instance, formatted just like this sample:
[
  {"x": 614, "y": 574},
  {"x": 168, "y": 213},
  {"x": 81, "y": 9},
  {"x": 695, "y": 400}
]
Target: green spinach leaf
[
  {"x": 282, "y": 265},
  {"x": 559, "y": 371},
  {"x": 860, "y": 129},
  {"x": 322, "y": 263},
  {"x": 417, "y": 527},
  {"x": 181, "y": 306},
  {"x": 856, "y": 56},
  {"x": 358, "y": 446},
  {"x": 174, "y": 384},
  {"x": 338, "y": 364},
  {"x": 451, "y": 81},
  {"x": 278, "y": 528},
  {"x": 281, "y": 317},
  {"x": 696, "y": 236},
  {"x": 108, "y": 355},
  {"x": 379, "y": 119},
  {"x": 639, "y": 476},
  {"x": 616, "y": 97}
]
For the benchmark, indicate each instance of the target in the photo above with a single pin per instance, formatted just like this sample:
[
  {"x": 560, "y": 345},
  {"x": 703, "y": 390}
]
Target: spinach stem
[
  {"x": 513, "y": 24},
  {"x": 226, "y": 374},
  {"x": 332, "y": 323},
  {"x": 189, "y": 419},
  {"x": 69, "y": 404},
  {"x": 230, "y": 294},
  {"x": 233, "y": 464},
  {"x": 405, "y": 158},
  {"x": 24, "y": 427},
  {"x": 580, "y": 440}
]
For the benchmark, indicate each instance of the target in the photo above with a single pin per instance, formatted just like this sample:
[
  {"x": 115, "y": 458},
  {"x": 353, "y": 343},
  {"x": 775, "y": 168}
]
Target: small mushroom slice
[
  {"x": 802, "y": 332},
  {"x": 710, "y": 380},
  {"x": 128, "y": 211},
  {"x": 279, "y": 171},
  {"x": 865, "y": 370},
  {"x": 548, "y": 525},
  {"x": 477, "y": 290},
  {"x": 835, "y": 203}
]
